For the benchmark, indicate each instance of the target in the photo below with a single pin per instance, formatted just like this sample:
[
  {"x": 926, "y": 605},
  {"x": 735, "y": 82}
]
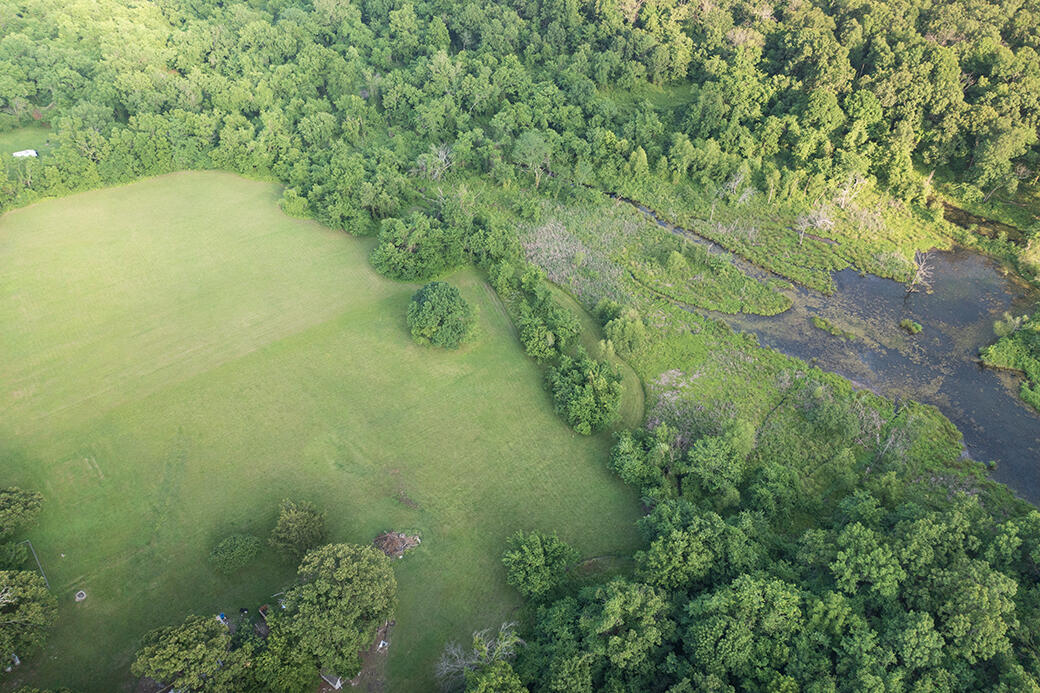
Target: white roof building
[{"x": 24, "y": 153}]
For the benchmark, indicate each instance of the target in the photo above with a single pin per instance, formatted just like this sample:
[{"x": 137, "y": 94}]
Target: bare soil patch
[
  {"x": 394, "y": 544},
  {"x": 372, "y": 677}
]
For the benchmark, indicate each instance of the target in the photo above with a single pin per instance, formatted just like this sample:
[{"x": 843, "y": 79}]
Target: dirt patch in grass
[
  {"x": 372, "y": 677},
  {"x": 403, "y": 498},
  {"x": 394, "y": 544}
]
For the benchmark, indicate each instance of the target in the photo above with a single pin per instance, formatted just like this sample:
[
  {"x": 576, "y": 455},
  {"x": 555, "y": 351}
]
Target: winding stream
[{"x": 939, "y": 366}]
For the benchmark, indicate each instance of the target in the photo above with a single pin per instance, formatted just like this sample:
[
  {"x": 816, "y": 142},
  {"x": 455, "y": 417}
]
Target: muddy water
[{"x": 938, "y": 366}]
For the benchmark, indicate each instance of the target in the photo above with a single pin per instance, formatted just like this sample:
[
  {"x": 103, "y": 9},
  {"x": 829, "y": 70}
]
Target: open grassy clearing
[
  {"x": 33, "y": 137},
  {"x": 179, "y": 356}
]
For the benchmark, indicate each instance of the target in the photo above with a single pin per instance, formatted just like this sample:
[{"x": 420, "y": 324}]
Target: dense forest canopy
[
  {"x": 347, "y": 102},
  {"x": 833, "y": 544}
]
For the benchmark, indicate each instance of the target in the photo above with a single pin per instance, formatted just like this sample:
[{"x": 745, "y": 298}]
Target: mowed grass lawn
[{"x": 178, "y": 356}]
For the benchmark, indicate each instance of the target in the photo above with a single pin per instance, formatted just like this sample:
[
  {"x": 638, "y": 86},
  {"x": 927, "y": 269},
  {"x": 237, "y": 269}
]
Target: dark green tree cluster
[
  {"x": 18, "y": 511},
  {"x": 811, "y": 554},
  {"x": 439, "y": 315},
  {"x": 537, "y": 563},
  {"x": 547, "y": 330},
  {"x": 495, "y": 678},
  {"x": 587, "y": 393},
  {"x": 345, "y": 593},
  {"x": 195, "y": 655},
  {"x": 300, "y": 528},
  {"x": 27, "y": 608},
  {"x": 368, "y": 112},
  {"x": 417, "y": 248}
]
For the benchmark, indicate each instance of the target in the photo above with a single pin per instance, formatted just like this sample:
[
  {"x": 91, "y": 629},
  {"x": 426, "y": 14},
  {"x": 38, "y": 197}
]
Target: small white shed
[{"x": 25, "y": 153}]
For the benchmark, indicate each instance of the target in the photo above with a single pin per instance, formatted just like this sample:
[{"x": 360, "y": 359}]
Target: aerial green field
[{"x": 178, "y": 356}]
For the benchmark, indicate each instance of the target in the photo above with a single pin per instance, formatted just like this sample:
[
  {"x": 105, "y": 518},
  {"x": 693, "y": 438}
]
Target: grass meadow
[{"x": 178, "y": 356}]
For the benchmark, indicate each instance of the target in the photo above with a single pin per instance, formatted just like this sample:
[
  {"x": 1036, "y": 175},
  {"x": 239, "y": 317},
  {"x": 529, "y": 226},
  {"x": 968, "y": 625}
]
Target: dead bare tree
[
  {"x": 734, "y": 183},
  {"x": 745, "y": 196},
  {"x": 487, "y": 649},
  {"x": 869, "y": 219},
  {"x": 849, "y": 190},
  {"x": 895, "y": 443},
  {"x": 435, "y": 163},
  {"x": 922, "y": 277},
  {"x": 818, "y": 218}
]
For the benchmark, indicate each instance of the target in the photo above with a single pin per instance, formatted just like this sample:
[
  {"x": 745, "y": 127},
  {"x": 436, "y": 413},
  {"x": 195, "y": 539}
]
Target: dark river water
[{"x": 938, "y": 366}]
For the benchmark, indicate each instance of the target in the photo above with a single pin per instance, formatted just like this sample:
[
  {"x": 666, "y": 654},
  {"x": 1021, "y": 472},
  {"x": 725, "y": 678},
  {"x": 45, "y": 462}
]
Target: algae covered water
[{"x": 938, "y": 366}]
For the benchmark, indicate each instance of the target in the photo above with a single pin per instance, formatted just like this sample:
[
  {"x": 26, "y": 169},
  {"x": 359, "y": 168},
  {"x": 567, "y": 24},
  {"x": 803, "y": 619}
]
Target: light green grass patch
[
  {"x": 30, "y": 137},
  {"x": 179, "y": 356}
]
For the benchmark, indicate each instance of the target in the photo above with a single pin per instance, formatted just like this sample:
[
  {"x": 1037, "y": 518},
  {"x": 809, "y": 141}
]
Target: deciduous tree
[{"x": 348, "y": 592}]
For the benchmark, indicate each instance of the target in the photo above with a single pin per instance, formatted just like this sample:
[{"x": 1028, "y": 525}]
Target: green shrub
[
  {"x": 416, "y": 248},
  {"x": 911, "y": 326},
  {"x": 300, "y": 528},
  {"x": 830, "y": 328},
  {"x": 1018, "y": 349},
  {"x": 438, "y": 315},
  {"x": 587, "y": 393},
  {"x": 628, "y": 333},
  {"x": 537, "y": 563},
  {"x": 234, "y": 552},
  {"x": 294, "y": 204}
]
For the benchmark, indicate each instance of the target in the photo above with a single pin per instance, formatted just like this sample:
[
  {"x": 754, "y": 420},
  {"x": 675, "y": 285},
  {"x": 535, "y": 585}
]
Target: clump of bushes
[
  {"x": 624, "y": 328},
  {"x": 234, "y": 552},
  {"x": 830, "y": 328},
  {"x": 417, "y": 248},
  {"x": 694, "y": 276},
  {"x": 300, "y": 528},
  {"x": 439, "y": 315},
  {"x": 546, "y": 328},
  {"x": 1009, "y": 324},
  {"x": 586, "y": 392},
  {"x": 537, "y": 563},
  {"x": 911, "y": 326}
]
